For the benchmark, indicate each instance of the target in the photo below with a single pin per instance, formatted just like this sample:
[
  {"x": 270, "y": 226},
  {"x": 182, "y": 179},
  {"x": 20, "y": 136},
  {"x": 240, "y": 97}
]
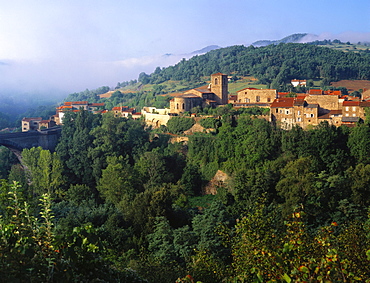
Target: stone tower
[{"x": 219, "y": 86}]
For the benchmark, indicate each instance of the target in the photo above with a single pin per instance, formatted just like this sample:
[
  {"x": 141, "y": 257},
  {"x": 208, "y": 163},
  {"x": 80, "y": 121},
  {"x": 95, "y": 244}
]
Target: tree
[
  {"x": 191, "y": 179},
  {"x": 177, "y": 125},
  {"x": 151, "y": 167},
  {"x": 74, "y": 146},
  {"x": 160, "y": 241},
  {"x": 116, "y": 136},
  {"x": 359, "y": 143},
  {"x": 7, "y": 160},
  {"x": 118, "y": 182},
  {"x": 45, "y": 170}
]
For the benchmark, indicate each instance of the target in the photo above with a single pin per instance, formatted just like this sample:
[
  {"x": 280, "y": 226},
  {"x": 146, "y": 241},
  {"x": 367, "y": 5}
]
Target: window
[
  {"x": 216, "y": 81},
  {"x": 258, "y": 98},
  {"x": 354, "y": 114},
  {"x": 183, "y": 106},
  {"x": 299, "y": 119},
  {"x": 247, "y": 100},
  {"x": 354, "y": 108},
  {"x": 177, "y": 106},
  {"x": 312, "y": 115},
  {"x": 277, "y": 110},
  {"x": 287, "y": 111},
  {"x": 299, "y": 113},
  {"x": 347, "y": 108},
  {"x": 268, "y": 99},
  {"x": 281, "y": 111},
  {"x": 347, "y": 114}
]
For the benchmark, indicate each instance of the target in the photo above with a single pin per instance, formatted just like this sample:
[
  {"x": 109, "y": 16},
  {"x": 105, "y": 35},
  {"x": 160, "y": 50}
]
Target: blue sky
[{"x": 73, "y": 45}]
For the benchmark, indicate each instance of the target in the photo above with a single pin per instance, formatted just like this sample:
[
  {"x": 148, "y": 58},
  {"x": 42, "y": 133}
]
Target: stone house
[
  {"x": 290, "y": 111},
  {"x": 76, "y": 106},
  {"x": 253, "y": 95},
  {"x": 36, "y": 123},
  {"x": 30, "y": 124},
  {"x": 46, "y": 124},
  {"x": 296, "y": 83}
]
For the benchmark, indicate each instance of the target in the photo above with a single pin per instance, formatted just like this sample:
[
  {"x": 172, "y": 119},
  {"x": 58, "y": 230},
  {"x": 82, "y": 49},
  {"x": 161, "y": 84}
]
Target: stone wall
[
  {"x": 256, "y": 95},
  {"x": 153, "y": 118},
  {"x": 330, "y": 102}
]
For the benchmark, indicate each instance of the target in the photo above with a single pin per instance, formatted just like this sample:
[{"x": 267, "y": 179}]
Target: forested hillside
[
  {"x": 118, "y": 202},
  {"x": 273, "y": 64}
]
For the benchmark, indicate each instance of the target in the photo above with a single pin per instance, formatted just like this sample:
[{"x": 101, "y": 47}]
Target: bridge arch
[{"x": 16, "y": 142}]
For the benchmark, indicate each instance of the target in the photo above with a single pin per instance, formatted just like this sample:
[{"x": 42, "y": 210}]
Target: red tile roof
[
  {"x": 315, "y": 91},
  {"x": 284, "y": 102},
  {"x": 351, "y": 103},
  {"x": 80, "y": 102},
  {"x": 120, "y": 108},
  {"x": 251, "y": 88},
  {"x": 365, "y": 103},
  {"x": 97, "y": 104},
  {"x": 333, "y": 92},
  {"x": 31, "y": 119}
]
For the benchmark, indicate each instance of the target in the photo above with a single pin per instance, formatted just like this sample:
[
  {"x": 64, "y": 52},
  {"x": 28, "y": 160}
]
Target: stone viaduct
[{"x": 16, "y": 142}]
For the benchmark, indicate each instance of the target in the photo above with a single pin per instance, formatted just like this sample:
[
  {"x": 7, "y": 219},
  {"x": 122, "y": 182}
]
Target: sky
[{"x": 65, "y": 46}]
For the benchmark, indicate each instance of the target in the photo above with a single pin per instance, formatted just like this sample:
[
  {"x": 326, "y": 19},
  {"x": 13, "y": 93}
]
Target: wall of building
[
  {"x": 153, "y": 119},
  {"x": 185, "y": 103},
  {"x": 330, "y": 102},
  {"x": 256, "y": 96}
]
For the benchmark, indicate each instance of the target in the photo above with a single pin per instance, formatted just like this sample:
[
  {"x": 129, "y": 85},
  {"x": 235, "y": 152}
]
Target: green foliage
[
  {"x": 7, "y": 160},
  {"x": 45, "y": 170},
  {"x": 118, "y": 182},
  {"x": 296, "y": 255},
  {"x": 116, "y": 137},
  {"x": 74, "y": 144},
  {"x": 127, "y": 207},
  {"x": 209, "y": 123},
  {"x": 177, "y": 125},
  {"x": 270, "y": 64},
  {"x": 359, "y": 143}
]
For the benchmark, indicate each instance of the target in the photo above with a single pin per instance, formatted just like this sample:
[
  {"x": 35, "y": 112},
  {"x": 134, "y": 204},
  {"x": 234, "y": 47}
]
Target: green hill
[{"x": 273, "y": 66}]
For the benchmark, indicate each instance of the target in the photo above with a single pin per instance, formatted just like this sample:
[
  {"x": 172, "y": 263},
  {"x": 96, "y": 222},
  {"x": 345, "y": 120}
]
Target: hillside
[
  {"x": 294, "y": 38},
  {"x": 271, "y": 66}
]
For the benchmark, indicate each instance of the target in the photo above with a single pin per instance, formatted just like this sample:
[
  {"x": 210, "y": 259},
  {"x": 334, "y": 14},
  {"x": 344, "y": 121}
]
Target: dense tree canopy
[
  {"x": 272, "y": 63},
  {"x": 117, "y": 196}
]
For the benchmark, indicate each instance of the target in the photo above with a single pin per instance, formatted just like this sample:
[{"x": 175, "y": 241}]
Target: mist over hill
[
  {"x": 294, "y": 38},
  {"x": 25, "y": 85}
]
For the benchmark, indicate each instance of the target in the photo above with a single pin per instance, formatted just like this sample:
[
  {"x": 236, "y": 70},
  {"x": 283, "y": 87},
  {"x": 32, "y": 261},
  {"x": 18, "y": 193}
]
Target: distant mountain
[
  {"x": 294, "y": 38},
  {"x": 205, "y": 49},
  {"x": 196, "y": 52}
]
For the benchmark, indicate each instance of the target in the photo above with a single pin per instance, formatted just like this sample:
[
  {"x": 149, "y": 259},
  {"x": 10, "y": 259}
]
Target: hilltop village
[{"x": 286, "y": 109}]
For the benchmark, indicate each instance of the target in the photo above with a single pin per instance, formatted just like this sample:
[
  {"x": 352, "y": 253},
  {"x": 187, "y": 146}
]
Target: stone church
[{"x": 216, "y": 93}]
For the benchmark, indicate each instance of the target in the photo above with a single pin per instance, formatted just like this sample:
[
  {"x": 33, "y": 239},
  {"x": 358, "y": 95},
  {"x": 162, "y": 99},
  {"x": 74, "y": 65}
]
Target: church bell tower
[{"x": 219, "y": 86}]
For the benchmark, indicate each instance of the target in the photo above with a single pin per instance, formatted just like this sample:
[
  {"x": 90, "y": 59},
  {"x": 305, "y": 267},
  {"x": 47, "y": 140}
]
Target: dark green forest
[
  {"x": 119, "y": 202},
  {"x": 272, "y": 65}
]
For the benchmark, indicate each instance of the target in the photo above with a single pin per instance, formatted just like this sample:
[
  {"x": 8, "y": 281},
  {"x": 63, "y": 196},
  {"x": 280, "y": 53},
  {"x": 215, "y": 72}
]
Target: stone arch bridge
[{"x": 16, "y": 142}]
